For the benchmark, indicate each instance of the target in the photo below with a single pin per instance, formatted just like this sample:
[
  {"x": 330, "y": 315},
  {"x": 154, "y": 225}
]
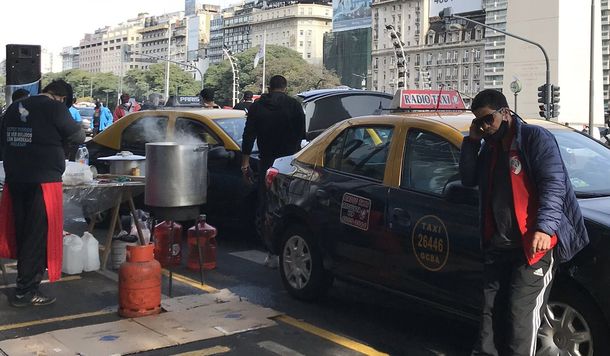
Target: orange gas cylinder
[
  {"x": 139, "y": 283},
  {"x": 162, "y": 243},
  {"x": 207, "y": 243}
]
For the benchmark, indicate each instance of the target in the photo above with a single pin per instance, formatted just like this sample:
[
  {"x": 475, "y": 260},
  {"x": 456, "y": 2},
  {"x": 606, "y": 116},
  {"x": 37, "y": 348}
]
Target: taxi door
[
  {"x": 353, "y": 197},
  {"x": 439, "y": 258}
]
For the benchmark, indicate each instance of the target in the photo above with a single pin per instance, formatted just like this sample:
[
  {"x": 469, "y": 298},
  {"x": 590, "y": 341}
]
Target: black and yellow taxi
[
  {"x": 229, "y": 198},
  {"x": 379, "y": 200}
]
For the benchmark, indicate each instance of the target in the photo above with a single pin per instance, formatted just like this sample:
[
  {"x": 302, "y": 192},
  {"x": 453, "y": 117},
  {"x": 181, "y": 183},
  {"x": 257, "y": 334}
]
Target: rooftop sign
[{"x": 428, "y": 100}]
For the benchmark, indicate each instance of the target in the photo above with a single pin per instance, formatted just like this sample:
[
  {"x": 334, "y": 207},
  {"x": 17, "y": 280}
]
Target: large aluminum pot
[{"x": 176, "y": 174}]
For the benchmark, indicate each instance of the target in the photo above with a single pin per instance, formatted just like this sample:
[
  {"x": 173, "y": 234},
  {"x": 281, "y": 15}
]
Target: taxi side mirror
[
  {"x": 219, "y": 152},
  {"x": 456, "y": 192}
]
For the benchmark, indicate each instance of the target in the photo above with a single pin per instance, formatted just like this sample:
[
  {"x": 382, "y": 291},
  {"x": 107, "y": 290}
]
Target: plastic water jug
[
  {"x": 82, "y": 155},
  {"x": 91, "y": 253},
  {"x": 73, "y": 255}
]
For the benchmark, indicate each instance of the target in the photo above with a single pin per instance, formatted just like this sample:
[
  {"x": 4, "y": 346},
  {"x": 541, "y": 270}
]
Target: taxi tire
[
  {"x": 584, "y": 304},
  {"x": 320, "y": 280}
]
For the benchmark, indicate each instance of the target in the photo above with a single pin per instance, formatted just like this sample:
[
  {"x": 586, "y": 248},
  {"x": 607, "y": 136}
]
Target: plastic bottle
[
  {"x": 72, "y": 262},
  {"x": 82, "y": 155},
  {"x": 91, "y": 253}
]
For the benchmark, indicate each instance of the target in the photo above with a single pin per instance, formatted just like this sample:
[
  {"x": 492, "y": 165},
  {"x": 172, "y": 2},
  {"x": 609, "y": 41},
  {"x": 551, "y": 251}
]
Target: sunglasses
[{"x": 487, "y": 119}]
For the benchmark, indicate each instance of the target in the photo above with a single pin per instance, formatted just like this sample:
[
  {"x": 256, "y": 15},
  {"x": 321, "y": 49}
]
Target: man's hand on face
[
  {"x": 476, "y": 131},
  {"x": 540, "y": 242}
]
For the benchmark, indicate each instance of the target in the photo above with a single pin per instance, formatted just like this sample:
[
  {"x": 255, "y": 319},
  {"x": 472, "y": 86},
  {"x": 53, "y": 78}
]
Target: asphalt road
[{"x": 368, "y": 319}]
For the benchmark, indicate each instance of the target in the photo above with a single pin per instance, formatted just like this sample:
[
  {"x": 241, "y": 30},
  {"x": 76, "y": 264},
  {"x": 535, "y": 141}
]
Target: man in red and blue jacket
[{"x": 530, "y": 221}]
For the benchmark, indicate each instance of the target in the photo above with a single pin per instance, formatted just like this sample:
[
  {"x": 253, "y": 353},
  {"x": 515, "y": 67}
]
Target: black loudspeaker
[{"x": 22, "y": 64}]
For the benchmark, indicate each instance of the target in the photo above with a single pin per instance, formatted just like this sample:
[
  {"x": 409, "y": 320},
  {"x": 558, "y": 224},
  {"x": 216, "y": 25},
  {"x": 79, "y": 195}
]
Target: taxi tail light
[{"x": 270, "y": 176}]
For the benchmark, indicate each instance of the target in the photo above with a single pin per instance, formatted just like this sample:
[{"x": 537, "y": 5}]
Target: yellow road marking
[
  {"x": 64, "y": 279},
  {"x": 206, "y": 352},
  {"x": 191, "y": 282},
  {"x": 52, "y": 320},
  {"x": 337, "y": 339}
]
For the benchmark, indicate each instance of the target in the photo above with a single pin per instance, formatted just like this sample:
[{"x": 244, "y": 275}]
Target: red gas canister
[
  {"x": 207, "y": 243},
  {"x": 139, "y": 283},
  {"x": 168, "y": 233}
]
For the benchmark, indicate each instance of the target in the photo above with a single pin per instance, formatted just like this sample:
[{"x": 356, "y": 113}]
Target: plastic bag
[
  {"x": 90, "y": 253},
  {"x": 77, "y": 173},
  {"x": 72, "y": 262}
]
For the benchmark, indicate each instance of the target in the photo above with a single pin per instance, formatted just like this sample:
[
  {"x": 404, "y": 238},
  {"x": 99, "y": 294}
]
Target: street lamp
[
  {"x": 448, "y": 14},
  {"x": 235, "y": 70},
  {"x": 107, "y": 91},
  {"x": 399, "y": 52}
]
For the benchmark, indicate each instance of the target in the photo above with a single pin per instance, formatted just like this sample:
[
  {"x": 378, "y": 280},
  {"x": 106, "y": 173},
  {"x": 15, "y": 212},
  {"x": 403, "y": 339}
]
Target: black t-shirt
[
  {"x": 34, "y": 131},
  {"x": 507, "y": 234}
]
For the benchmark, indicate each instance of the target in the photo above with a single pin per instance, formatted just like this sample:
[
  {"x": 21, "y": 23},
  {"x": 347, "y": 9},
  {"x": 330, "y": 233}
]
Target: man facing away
[
  {"x": 277, "y": 122},
  {"x": 207, "y": 99},
  {"x": 528, "y": 209},
  {"x": 246, "y": 101},
  {"x": 33, "y": 135}
]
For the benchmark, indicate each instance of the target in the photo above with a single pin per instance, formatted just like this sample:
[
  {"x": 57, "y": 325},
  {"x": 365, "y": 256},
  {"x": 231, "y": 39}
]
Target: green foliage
[
  {"x": 136, "y": 82},
  {"x": 301, "y": 75}
]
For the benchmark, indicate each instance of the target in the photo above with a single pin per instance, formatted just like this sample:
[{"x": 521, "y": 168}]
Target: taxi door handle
[
  {"x": 400, "y": 216},
  {"x": 399, "y": 212}
]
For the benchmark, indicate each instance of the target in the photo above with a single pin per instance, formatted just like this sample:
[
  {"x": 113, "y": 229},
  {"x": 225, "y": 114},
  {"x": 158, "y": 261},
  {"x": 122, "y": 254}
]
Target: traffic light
[
  {"x": 542, "y": 93},
  {"x": 554, "y": 100}
]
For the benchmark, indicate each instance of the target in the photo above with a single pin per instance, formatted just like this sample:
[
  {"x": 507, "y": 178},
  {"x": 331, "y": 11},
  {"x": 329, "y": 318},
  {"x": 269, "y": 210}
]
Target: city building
[
  {"x": 118, "y": 42},
  {"x": 155, "y": 35},
  {"x": 199, "y": 30},
  {"x": 495, "y": 43},
  {"x": 90, "y": 57},
  {"x": 50, "y": 62},
  {"x": 70, "y": 58},
  {"x": 214, "y": 51},
  {"x": 237, "y": 27},
  {"x": 408, "y": 20},
  {"x": 347, "y": 49},
  {"x": 298, "y": 26}
]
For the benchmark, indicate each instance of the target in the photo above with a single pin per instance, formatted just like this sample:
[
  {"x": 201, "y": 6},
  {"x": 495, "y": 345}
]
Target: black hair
[
  {"x": 248, "y": 95},
  {"x": 277, "y": 82},
  {"x": 58, "y": 87},
  {"x": 207, "y": 94},
  {"x": 490, "y": 98},
  {"x": 20, "y": 94}
]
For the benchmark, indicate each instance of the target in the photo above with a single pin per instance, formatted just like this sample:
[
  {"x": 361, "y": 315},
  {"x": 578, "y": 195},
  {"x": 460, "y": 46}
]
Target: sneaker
[{"x": 31, "y": 298}]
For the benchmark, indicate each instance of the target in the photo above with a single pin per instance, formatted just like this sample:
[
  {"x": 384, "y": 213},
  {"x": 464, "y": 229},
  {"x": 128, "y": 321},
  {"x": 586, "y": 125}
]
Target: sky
[{"x": 55, "y": 24}]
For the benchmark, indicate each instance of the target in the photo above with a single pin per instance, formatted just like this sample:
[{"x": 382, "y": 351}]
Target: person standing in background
[
  {"x": 245, "y": 102},
  {"x": 277, "y": 122}
]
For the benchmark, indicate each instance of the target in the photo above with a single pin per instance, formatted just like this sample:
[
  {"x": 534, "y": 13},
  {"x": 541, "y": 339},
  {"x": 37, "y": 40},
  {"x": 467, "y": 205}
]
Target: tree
[
  {"x": 143, "y": 82},
  {"x": 87, "y": 86},
  {"x": 301, "y": 75}
]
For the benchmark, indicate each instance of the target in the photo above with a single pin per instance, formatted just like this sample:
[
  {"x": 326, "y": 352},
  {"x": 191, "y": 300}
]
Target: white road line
[
  {"x": 278, "y": 349},
  {"x": 255, "y": 256}
]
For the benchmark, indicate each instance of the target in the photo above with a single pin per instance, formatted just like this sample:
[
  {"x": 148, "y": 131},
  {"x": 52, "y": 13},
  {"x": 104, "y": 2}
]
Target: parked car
[
  {"x": 378, "y": 200},
  {"x": 229, "y": 199},
  {"x": 86, "y": 113},
  {"x": 325, "y": 107}
]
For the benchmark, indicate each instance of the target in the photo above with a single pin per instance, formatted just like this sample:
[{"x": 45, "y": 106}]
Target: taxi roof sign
[{"x": 412, "y": 99}]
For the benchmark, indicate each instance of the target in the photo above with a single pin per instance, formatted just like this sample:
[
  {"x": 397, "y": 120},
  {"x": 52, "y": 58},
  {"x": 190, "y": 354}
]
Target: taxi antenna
[{"x": 438, "y": 99}]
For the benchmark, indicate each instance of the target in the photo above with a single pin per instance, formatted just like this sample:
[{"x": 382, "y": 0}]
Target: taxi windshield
[
  {"x": 235, "y": 129},
  {"x": 587, "y": 161}
]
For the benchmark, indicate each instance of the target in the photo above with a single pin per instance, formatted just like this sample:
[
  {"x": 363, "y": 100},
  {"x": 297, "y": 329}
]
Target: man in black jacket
[
  {"x": 33, "y": 134},
  {"x": 277, "y": 122}
]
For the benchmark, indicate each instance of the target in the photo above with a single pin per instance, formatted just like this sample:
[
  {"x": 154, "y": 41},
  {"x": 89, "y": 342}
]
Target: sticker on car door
[
  {"x": 430, "y": 243},
  {"x": 355, "y": 211}
]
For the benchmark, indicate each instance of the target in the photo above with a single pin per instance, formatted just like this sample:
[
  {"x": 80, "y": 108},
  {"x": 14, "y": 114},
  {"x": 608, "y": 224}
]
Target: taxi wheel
[
  {"x": 572, "y": 323},
  {"x": 301, "y": 266}
]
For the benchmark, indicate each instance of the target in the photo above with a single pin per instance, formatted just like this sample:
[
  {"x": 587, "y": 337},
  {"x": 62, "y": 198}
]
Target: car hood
[{"x": 596, "y": 209}]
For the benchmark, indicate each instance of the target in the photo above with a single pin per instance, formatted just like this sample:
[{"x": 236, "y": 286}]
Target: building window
[
  {"x": 465, "y": 72},
  {"x": 300, "y": 43},
  {"x": 466, "y": 56},
  {"x": 308, "y": 54},
  {"x": 477, "y": 55}
]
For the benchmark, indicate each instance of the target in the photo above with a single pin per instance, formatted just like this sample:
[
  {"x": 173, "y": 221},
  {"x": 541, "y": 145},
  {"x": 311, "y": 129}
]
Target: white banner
[{"x": 458, "y": 6}]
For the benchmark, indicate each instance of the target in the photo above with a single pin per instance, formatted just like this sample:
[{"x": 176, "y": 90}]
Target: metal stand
[
  {"x": 171, "y": 250},
  {"x": 200, "y": 219}
]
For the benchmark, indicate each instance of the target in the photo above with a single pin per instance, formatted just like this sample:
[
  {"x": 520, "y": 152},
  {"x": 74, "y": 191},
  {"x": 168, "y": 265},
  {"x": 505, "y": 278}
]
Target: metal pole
[
  {"x": 516, "y": 102},
  {"x": 233, "y": 70},
  {"x": 169, "y": 41},
  {"x": 264, "y": 59},
  {"x": 91, "y": 87},
  {"x": 591, "y": 69},
  {"x": 546, "y": 58}
]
